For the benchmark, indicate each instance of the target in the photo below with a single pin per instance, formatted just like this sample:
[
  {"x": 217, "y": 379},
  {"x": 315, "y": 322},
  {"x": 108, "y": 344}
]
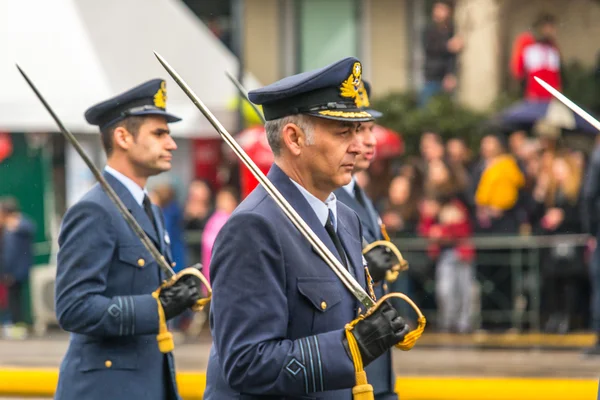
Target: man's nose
[
  {"x": 356, "y": 144},
  {"x": 171, "y": 145}
]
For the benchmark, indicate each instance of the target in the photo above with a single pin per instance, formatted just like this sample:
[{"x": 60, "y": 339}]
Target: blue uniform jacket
[
  {"x": 173, "y": 218},
  {"x": 278, "y": 311},
  {"x": 380, "y": 372},
  {"x": 104, "y": 282}
]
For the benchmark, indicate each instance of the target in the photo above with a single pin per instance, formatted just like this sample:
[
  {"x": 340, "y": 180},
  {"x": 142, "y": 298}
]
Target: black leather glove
[
  {"x": 181, "y": 295},
  {"x": 380, "y": 259},
  {"x": 377, "y": 333}
]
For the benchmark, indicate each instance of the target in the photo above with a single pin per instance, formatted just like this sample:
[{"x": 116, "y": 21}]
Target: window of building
[{"x": 327, "y": 31}]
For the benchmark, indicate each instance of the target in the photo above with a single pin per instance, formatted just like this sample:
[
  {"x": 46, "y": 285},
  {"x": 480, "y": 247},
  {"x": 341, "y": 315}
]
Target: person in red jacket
[
  {"x": 536, "y": 54},
  {"x": 444, "y": 220}
]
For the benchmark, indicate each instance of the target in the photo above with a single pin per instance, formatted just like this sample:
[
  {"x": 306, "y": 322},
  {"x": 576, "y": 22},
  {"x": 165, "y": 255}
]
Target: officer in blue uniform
[
  {"x": 278, "y": 311},
  {"x": 106, "y": 277},
  {"x": 380, "y": 372}
]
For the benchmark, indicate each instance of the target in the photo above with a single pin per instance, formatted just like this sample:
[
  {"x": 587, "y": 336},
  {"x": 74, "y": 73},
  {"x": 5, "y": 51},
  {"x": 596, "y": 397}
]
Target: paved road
[{"x": 47, "y": 352}]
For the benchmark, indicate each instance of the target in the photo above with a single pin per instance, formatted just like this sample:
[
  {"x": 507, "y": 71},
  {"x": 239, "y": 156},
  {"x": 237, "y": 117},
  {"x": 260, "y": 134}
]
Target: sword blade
[
  {"x": 139, "y": 232},
  {"x": 563, "y": 99},
  {"x": 322, "y": 250},
  {"x": 244, "y": 93}
]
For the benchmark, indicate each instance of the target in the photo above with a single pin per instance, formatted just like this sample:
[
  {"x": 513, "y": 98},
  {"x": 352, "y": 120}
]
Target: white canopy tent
[{"x": 79, "y": 52}]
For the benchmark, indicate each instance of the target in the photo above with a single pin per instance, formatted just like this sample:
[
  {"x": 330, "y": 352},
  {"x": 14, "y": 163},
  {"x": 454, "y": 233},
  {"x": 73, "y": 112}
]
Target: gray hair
[{"x": 275, "y": 127}]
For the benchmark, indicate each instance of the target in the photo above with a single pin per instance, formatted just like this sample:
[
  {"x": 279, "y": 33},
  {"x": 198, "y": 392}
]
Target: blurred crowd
[
  {"x": 516, "y": 185},
  {"x": 519, "y": 185}
]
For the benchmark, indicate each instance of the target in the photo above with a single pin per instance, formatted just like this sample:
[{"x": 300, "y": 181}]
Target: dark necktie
[
  {"x": 149, "y": 213},
  {"x": 148, "y": 209},
  {"x": 359, "y": 196},
  {"x": 336, "y": 240}
]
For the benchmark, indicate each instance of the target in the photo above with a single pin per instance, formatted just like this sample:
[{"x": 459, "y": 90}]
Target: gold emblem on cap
[
  {"x": 363, "y": 97},
  {"x": 350, "y": 87},
  {"x": 160, "y": 97}
]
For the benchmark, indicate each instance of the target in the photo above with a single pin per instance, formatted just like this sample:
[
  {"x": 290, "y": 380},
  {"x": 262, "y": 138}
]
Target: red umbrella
[
  {"x": 254, "y": 142},
  {"x": 6, "y": 147},
  {"x": 389, "y": 143}
]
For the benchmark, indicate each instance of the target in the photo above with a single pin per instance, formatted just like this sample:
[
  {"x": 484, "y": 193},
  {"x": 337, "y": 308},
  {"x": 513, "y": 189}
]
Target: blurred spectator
[
  {"x": 17, "y": 253},
  {"x": 226, "y": 201},
  {"x": 441, "y": 179},
  {"x": 163, "y": 195},
  {"x": 199, "y": 204},
  {"x": 556, "y": 196},
  {"x": 459, "y": 153},
  {"x": 497, "y": 189},
  {"x": 555, "y": 210},
  {"x": 517, "y": 145},
  {"x": 444, "y": 220},
  {"x": 460, "y": 161},
  {"x": 432, "y": 147},
  {"x": 537, "y": 54},
  {"x": 198, "y": 207},
  {"x": 382, "y": 173},
  {"x": 516, "y": 140},
  {"x": 400, "y": 215},
  {"x": 415, "y": 175},
  {"x": 531, "y": 162},
  {"x": 441, "y": 48}
]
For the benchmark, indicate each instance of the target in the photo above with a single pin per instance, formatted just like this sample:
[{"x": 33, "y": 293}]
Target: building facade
[{"x": 283, "y": 37}]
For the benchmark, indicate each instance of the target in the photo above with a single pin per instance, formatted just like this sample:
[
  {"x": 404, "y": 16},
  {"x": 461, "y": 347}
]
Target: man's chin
[
  {"x": 344, "y": 179},
  {"x": 361, "y": 166},
  {"x": 162, "y": 167}
]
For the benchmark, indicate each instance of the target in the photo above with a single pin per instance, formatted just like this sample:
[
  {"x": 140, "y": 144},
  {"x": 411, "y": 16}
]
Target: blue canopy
[{"x": 524, "y": 114}]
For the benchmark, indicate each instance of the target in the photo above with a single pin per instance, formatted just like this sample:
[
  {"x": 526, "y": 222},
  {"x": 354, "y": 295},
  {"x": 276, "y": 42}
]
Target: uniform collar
[
  {"x": 349, "y": 188},
  {"x": 136, "y": 191},
  {"x": 320, "y": 208}
]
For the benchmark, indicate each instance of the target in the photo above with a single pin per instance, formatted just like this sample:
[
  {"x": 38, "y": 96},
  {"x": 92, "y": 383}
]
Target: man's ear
[
  {"x": 122, "y": 138},
  {"x": 293, "y": 138}
]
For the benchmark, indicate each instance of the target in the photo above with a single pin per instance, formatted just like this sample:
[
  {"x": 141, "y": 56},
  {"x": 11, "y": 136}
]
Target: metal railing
[
  {"x": 512, "y": 286},
  {"x": 509, "y": 275}
]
